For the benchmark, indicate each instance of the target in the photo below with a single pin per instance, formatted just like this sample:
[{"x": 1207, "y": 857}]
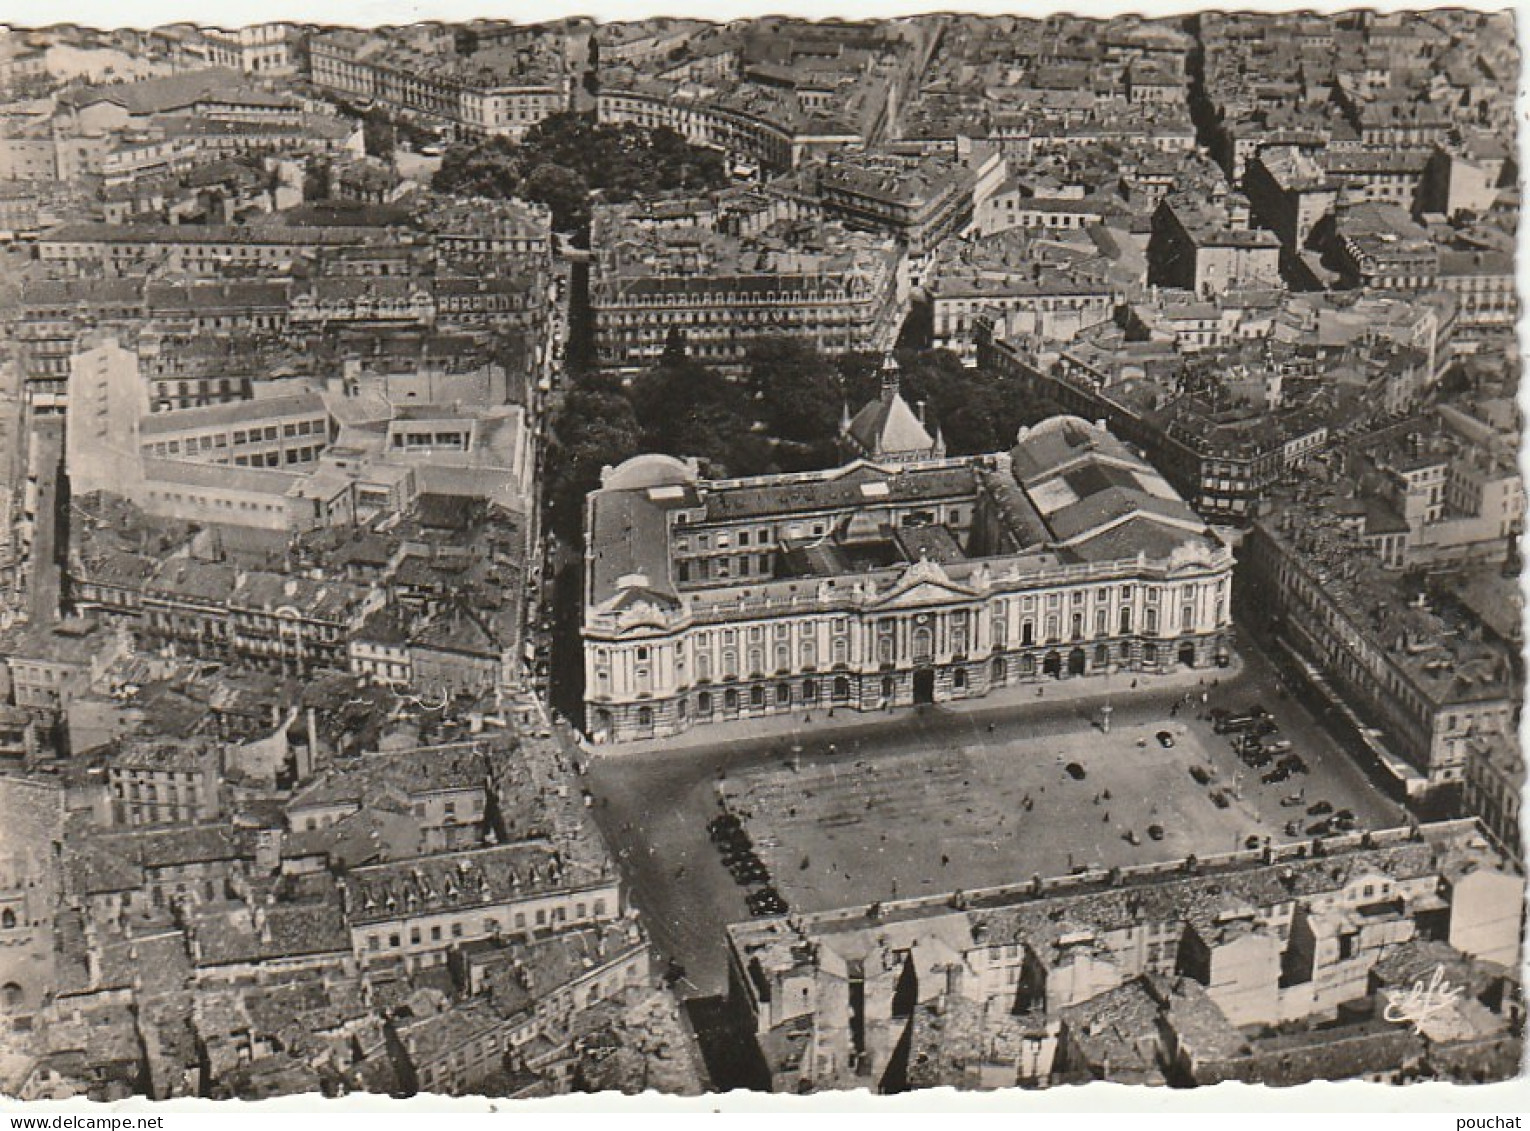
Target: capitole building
[{"x": 900, "y": 578}]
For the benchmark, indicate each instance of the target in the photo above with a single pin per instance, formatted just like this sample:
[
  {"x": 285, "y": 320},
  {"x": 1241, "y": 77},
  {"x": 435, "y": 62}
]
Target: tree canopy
[
  {"x": 686, "y": 409},
  {"x": 782, "y": 414},
  {"x": 593, "y": 427},
  {"x": 565, "y": 158}
]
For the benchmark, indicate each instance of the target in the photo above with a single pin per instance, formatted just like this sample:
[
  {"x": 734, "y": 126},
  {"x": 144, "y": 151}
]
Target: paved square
[{"x": 844, "y": 830}]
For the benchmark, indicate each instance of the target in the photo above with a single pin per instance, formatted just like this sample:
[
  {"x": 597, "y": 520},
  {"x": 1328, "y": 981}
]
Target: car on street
[
  {"x": 1294, "y": 762},
  {"x": 1291, "y": 801},
  {"x": 1220, "y": 799},
  {"x": 1279, "y": 746},
  {"x": 1278, "y": 774},
  {"x": 1165, "y": 739},
  {"x": 1075, "y": 771},
  {"x": 1200, "y": 775},
  {"x": 1319, "y": 808},
  {"x": 1252, "y": 842},
  {"x": 1155, "y": 832},
  {"x": 1234, "y": 724},
  {"x": 1320, "y": 828},
  {"x": 766, "y": 901},
  {"x": 1266, "y": 725}
]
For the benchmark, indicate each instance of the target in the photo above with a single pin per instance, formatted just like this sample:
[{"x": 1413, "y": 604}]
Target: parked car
[
  {"x": 1075, "y": 771},
  {"x": 1294, "y": 762},
  {"x": 1252, "y": 842},
  {"x": 1319, "y": 809},
  {"x": 1320, "y": 828},
  {"x": 1291, "y": 801},
  {"x": 1155, "y": 832},
  {"x": 1279, "y": 746},
  {"x": 1278, "y": 774},
  {"x": 1234, "y": 724},
  {"x": 1266, "y": 725},
  {"x": 1220, "y": 800},
  {"x": 1200, "y": 775},
  {"x": 1165, "y": 739}
]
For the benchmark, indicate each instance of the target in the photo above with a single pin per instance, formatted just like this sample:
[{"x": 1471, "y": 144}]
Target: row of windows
[
  {"x": 543, "y": 917},
  {"x": 305, "y": 454},
  {"x": 216, "y": 503},
  {"x": 809, "y": 693}
]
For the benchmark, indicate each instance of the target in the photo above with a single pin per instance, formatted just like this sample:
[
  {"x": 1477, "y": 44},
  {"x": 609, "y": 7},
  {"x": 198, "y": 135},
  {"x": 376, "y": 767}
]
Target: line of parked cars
[{"x": 744, "y": 865}]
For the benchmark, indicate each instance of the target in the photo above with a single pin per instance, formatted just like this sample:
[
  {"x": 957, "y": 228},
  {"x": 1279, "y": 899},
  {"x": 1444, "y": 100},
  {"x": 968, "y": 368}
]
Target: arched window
[
  {"x": 11, "y": 995},
  {"x": 704, "y": 703},
  {"x": 1027, "y": 634},
  {"x": 841, "y": 688},
  {"x": 1126, "y": 620},
  {"x": 889, "y": 687},
  {"x": 1150, "y": 621},
  {"x": 7, "y": 920},
  {"x": 645, "y": 718},
  {"x": 1000, "y": 673},
  {"x": 808, "y": 654},
  {"x": 783, "y": 694},
  {"x": 924, "y": 643},
  {"x": 756, "y": 663},
  {"x": 757, "y": 696},
  {"x": 783, "y": 657}
]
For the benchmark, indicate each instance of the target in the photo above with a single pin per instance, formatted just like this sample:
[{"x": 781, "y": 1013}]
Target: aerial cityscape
[{"x": 951, "y": 551}]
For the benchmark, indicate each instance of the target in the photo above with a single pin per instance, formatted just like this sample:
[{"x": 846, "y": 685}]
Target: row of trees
[
  {"x": 782, "y": 413},
  {"x": 565, "y": 158}
]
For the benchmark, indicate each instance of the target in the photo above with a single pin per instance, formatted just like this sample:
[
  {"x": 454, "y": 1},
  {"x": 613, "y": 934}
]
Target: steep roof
[{"x": 888, "y": 426}]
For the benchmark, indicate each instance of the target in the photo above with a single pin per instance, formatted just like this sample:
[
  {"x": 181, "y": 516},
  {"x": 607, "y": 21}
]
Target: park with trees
[
  {"x": 569, "y": 160},
  {"x": 780, "y": 412}
]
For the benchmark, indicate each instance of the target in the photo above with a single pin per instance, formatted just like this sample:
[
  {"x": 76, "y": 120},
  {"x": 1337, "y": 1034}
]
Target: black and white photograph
[{"x": 545, "y": 555}]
